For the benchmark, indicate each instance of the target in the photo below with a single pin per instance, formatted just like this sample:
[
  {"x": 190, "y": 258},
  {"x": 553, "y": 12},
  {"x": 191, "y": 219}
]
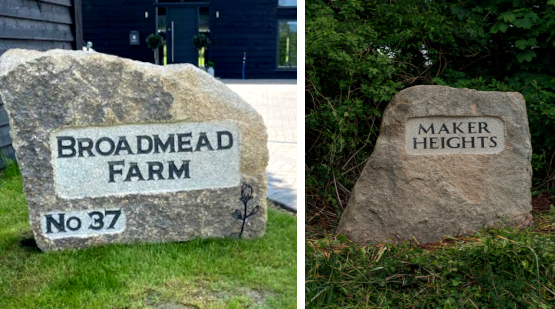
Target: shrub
[{"x": 359, "y": 54}]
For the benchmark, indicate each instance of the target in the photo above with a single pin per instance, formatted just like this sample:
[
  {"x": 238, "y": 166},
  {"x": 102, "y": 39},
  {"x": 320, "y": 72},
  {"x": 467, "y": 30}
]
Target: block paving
[{"x": 276, "y": 101}]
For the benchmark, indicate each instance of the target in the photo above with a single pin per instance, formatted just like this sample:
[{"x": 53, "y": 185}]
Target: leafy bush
[
  {"x": 8, "y": 168},
  {"x": 154, "y": 41},
  {"x": 359, "y": 54},
  {"x": 201, "y": 41}
]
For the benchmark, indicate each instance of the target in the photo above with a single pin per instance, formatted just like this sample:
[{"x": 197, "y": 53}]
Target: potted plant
[
  {"x": 154, "y": 41},
  {"x": 210, "y": 66},
  {"x": 201, "y": 42}
]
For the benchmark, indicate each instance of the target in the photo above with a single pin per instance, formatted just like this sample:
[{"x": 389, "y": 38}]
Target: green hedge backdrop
[{"x": 359, "y": 54}]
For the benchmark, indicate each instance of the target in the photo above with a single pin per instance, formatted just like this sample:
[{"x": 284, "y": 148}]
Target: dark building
[
  {"x": 262, "y": 31},
  {"x": 39, "y": 25}
]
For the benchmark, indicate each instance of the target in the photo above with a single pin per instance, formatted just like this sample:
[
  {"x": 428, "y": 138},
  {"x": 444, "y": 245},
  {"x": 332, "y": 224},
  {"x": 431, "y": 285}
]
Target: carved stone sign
[
  {"x": 447, "y": 162},
  {"x": 118, "y": 151},
  {"x": 61, "y": 224},
  {"x": 146, "y": 158},
  {"x": 445, "y": 135}
]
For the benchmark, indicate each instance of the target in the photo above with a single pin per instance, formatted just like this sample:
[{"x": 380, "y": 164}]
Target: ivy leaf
[
  {"x": 527, "y": 55},
  {"x": 533, "y": 16},
  {"x": 462, "y": 14},
  {"x": 459, "y": 11},
  {"x": 532, "y": 42},
  {"x": 525, "y": 23},
  {"x": 552, "y": 2},
  {"x": 499, "y": 26},
  {"x": 508, "y": 16},
  {"x": 522, "y": 44},
  {"x": 456, "y": 8}
]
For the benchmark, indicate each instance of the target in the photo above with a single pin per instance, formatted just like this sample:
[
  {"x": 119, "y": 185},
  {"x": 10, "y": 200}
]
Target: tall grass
[
  {"x": 8, "y": 168},
  {"x": 495, "y": 268}
]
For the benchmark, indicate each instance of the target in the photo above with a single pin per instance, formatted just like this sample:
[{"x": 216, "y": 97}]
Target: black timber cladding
[
  {"x": 251, "y": 26},
  {"x": 241, "y": 25},
  {"x": 107, "y": 24},
  {"x": 38, "y": 25}
]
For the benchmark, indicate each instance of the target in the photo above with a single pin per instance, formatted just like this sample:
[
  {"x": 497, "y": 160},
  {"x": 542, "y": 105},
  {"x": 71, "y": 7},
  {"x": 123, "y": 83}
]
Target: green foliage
[
  {"x": 201, "y": 41},
  {"x": 345, "y": 84},
  {"x": 525, "y": 56},
  {"x": 541, "y": 115},
  {"x": 496, "y": 268},
  {"x": 215, "y": 273},
  {"x": 359, "y": 54},
  {"x": 154, "y": 41},
  {"x": 8, "y": 168}
]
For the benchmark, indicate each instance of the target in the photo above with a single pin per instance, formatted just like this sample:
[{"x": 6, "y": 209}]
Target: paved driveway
[{"x": 276, "y": 101}]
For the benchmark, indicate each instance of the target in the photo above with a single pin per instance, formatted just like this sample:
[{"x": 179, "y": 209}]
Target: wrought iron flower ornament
[{"x": 246, "y": 196}]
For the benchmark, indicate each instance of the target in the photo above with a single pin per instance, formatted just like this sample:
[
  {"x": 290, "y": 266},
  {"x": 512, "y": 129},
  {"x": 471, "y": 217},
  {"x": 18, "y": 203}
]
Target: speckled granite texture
[
  {"x": 428, "y": 193},
  {"x": 47, "y": 91}
]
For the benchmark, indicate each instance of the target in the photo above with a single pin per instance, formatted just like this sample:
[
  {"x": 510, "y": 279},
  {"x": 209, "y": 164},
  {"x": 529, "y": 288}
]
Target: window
[
  {"x": 287, "y": 44},
  {"x": 204, "y": 19},
  {"x": 204, "y": 28},
  {"x": 161, "y": 29},
  {"x": 287, "y": 3},
  {"x": 162, "y": 20}
]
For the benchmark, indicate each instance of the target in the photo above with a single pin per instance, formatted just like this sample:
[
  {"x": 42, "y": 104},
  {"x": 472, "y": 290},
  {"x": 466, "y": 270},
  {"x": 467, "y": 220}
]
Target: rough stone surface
[
  {"x": 46, "y": 93},
  {"x": 427, "y": 193}
]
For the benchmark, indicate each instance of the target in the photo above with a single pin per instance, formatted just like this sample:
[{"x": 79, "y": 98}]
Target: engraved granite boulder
[
  {"x": 119, "y": 151},
  {"x": 448, "y": 161}
]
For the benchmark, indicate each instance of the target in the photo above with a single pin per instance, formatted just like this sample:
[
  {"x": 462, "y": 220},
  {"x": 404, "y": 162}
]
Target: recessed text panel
[{"x": 455, "y": 135}]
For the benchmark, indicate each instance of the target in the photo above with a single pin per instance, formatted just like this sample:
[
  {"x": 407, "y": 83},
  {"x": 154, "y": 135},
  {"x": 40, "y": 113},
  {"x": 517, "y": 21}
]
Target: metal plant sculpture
[{"x": 246, "y": 196}]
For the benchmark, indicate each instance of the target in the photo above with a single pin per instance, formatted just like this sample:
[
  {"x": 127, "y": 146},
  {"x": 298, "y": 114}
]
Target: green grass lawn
[
  {"x": 224, "y": 273},
  {"x": 497, "y": 267}
]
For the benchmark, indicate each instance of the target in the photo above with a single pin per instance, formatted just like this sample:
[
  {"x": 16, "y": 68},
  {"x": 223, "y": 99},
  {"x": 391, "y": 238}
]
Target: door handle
[{"x": 173, "y": 42}]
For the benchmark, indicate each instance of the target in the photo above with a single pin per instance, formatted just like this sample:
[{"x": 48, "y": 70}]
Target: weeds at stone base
[
  {"x": 8, "y": 168},
  {"x": 494, "y": 268}
]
